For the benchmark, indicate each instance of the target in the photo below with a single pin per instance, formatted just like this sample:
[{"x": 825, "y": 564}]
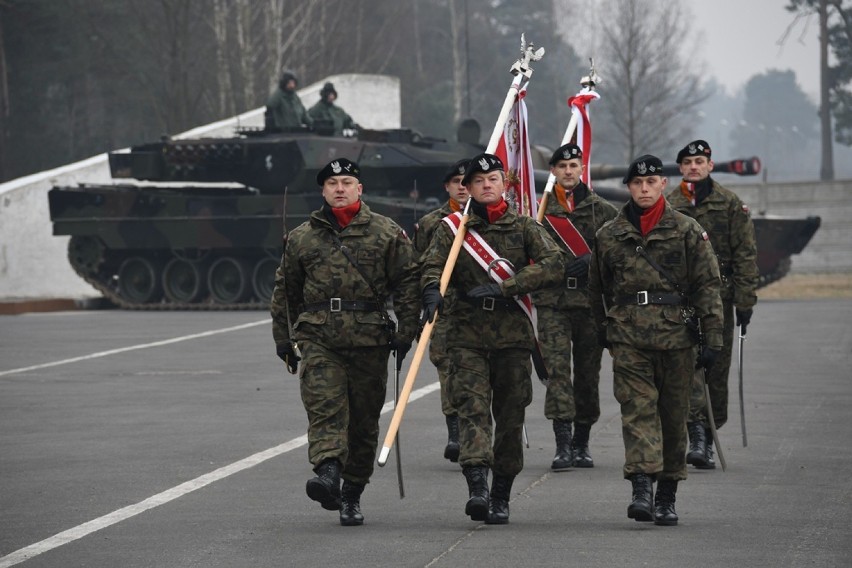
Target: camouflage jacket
[
  {"x": 680, "y": 246},
  {"x": 287, "y": 109},
  {"x": 313, "y": 270},
  {"x": 728, "y": 222},
  {"x": 518, "y": 239},
  {"x": 588, "y": 216},
  {"x": 331, "y": 114},
  {"x": 426, "y": 226}
]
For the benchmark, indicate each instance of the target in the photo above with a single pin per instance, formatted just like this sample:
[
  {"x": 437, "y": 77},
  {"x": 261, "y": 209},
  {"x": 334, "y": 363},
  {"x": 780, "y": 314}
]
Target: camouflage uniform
[
  {"x": 287, "y": 110},
  {"x": 343, "y": 375},
  {"x": 489, "y": 350},
  {"x": 329, "y": 113},
  {"x": 728, "y": 223},
  {"x": 437, "y": 347},
  {"x": 565, "y": 324},
  {"x": 653, "y": 351}
]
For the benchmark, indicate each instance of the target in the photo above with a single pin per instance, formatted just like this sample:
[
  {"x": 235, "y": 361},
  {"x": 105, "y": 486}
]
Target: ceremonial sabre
[
  {"x": 742, "y": 403},
  {"x": 709, "y": 408},
  {"x": 520, "y": 69}
]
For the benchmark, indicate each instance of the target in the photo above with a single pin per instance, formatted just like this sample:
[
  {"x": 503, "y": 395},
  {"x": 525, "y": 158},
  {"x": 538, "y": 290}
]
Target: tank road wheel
[
  {"x": 183, "y": 281},
  {"x": 139, "y": 280},
  {"x": 228, "y": 280},
  {"x": 263, "y": 278},
  {"x": 86, "y": 253}
]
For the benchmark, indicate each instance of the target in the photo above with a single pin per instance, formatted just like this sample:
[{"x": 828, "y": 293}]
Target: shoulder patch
[
  {"x": 403, "y": 234},
  {"x": 704, "y": 235},
  {"x": 746, "y": 210}
]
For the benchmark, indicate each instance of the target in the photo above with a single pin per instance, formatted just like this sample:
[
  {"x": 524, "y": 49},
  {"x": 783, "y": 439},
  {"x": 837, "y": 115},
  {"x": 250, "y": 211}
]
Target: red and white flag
[
  {"x": 514, "y": 149},
  {"x": 579, "y": 104}
]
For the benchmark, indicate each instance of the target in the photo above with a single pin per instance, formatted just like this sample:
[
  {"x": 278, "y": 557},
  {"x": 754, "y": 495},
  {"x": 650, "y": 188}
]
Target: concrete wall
[
  {"x": 830, "y": 250},
  {"x": 33, "y": 263}
]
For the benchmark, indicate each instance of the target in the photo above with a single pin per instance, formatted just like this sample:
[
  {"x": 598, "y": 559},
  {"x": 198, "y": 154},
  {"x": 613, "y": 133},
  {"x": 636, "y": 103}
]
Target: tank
[{"x": 200, "y": 223}]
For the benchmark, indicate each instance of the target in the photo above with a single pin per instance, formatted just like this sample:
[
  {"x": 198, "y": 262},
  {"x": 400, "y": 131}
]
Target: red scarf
[
  {"x": 651, "y": 216},
  {"x": 344, "y": 215},
  {"x": 688, "y": 191},
  {"x": 496, "y": 210}
]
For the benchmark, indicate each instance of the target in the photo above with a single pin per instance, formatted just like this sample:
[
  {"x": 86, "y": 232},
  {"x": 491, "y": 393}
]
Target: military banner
[{"x": 514, "y": 149}]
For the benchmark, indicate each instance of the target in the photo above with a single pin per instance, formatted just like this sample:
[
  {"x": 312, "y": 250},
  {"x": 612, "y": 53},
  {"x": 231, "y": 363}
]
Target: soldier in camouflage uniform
[
  {"x": 642, "y": 312},
  {"x": 728, "y": 222},
  {"x": 325, "y": 112},
  {"x": 337, "y": 271},
  {"x": 423, "y": 232},
  {"x": 492, "y": 338},
  {"x": 565, "y": 324}
]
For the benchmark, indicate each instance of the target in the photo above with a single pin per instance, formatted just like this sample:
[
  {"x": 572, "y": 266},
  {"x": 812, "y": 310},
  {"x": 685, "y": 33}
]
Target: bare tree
[
  {"x": 650, "y": 89},
  {"x": 457, "y": 24},
  {"x": 223, "y": 74}
]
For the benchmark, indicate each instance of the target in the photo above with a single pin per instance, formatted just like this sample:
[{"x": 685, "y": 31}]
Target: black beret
[
  {"x": 694, "y": 148},
  {"x": 566, "y": 152},
  {"x": 646, "y": 165},
  {"x": 481, "y": 163},
  {"x": 456, "y": 169},
  {"x": 338, "y": 167}
]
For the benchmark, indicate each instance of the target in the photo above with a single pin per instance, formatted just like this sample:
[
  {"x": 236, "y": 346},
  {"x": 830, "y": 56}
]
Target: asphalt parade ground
[{"x": 178, "y": 440}]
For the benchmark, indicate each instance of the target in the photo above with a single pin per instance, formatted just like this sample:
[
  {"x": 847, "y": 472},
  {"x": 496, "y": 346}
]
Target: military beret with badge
[
  {"x": 483, "y": 163},
  {"x": 694, "y": 148},
  {"x": 456, "y": 169},
  {"x": 646, "y": 165},
  {"x": 338, "y": 167},
  {"x": 567, "y": 152}
]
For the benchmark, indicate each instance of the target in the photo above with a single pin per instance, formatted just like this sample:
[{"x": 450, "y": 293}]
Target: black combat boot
[
  {"x": 562, "y": 460},
  {"x": 498, "y": 505},
  {"x": 709, "y": 462},
  {"x": 580, "y": 445},
  {"x": 697, "y": 444},
  {"x": 664, "y": 503},
  {"x": 477, "y": 484},
  {"x": 325, "y": 487},
  {"x": 643, "y": 488},
  {"x": 350, "y": 504},
  {"x": 451, "y": 452}
]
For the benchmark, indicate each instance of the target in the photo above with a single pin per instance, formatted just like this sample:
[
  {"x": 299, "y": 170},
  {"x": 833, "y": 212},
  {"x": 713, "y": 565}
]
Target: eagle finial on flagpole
[{"x": 528, "y": 53}]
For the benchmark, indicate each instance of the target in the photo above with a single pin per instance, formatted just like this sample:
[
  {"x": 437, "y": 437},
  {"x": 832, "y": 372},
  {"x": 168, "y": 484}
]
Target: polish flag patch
[{"x": 705, "y": 236}]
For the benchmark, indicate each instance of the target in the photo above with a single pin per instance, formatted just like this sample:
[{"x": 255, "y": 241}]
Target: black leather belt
[
  {"x": 338, "y": 305},
  {"x": 489, "y": 304},
  {"x": 644, "y": 297}
]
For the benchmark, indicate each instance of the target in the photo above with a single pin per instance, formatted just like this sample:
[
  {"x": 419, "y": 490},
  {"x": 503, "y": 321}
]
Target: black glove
[
  {"x": 491, "y": 290},
  {"x": 579, "y": 267},
  {"x": 743, "y": 318},
  {"x": 602, "y": 340},
  {"x": 288, "y": 355},
  {"x": 707, "y": 357},
  {"x": 401, "y": 346},
  {"x": 432, "y": 302}
]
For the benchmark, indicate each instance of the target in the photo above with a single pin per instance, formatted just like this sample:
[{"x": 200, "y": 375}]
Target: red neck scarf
[
  {"x": 344, "y": 215},
  {"x": 496, "y": 210},
  {"x": 651, "y": 216}
]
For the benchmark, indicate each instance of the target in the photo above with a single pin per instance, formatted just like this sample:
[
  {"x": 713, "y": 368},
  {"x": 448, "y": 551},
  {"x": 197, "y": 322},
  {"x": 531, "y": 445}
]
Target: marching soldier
[
  {"x": 337, "y": 271},
  {"x": 565, "y": 323},
  {"x": 284, "y": 109},
  {"x": 437, "y": 347},
  {"x": 728, "y": 222},
  {"x": 653, "y": 278},
  {"x": 488, "y": 310}
]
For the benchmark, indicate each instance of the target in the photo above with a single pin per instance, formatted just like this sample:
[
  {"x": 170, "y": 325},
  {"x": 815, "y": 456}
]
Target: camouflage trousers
[
  {"x": 717, "y": 378},
  {"x": 563, "y": 334},
  {"x": 483, "y": 383},
  {"x": 343, "y": 391},
  {"x": 438, "y": 356},
  {"x": 652, "y": 388}
]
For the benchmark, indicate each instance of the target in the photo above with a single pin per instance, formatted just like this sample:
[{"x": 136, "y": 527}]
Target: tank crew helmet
[
  {"x": 694, "y": 148},
  {"x": 482, "y": 163},
  {"x": 456, "y": 169},
  {"x": 338, "y": 167},
  {"x": 646, "y": 165},
  {"x": 567, "y": 152},
  {"x": 287, "y": 76},
  {"x": 327, "y": 89}
]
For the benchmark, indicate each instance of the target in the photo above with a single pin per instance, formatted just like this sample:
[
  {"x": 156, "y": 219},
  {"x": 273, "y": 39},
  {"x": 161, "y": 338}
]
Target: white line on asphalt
[
  {"x": 135, "y": 347},
  {"x": 125, "y": 513}
]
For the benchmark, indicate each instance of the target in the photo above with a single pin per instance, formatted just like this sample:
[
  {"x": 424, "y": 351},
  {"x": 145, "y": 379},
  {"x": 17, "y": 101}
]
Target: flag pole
[
  {"x": 520, "y": 69},
  {"x": 588, "y": 82}
]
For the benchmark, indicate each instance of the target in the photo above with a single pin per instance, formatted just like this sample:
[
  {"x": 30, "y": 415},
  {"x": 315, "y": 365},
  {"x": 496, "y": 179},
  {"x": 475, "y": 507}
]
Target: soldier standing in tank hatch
[
  {"x": 423, "y": 231},
  {"x": 337, "y": 271},
  {"x": 565, "y": 323},
  {"x": 653, "y": 277},
  {"x": 328, "y": 115},
  {"x": 284, "y": 109},
  {"x": 491, "y": 338},
  {"x": 728, "y": 222}
]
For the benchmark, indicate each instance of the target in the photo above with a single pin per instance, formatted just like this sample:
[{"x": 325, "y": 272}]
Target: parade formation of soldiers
[{"x": 660, "y": 283}]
